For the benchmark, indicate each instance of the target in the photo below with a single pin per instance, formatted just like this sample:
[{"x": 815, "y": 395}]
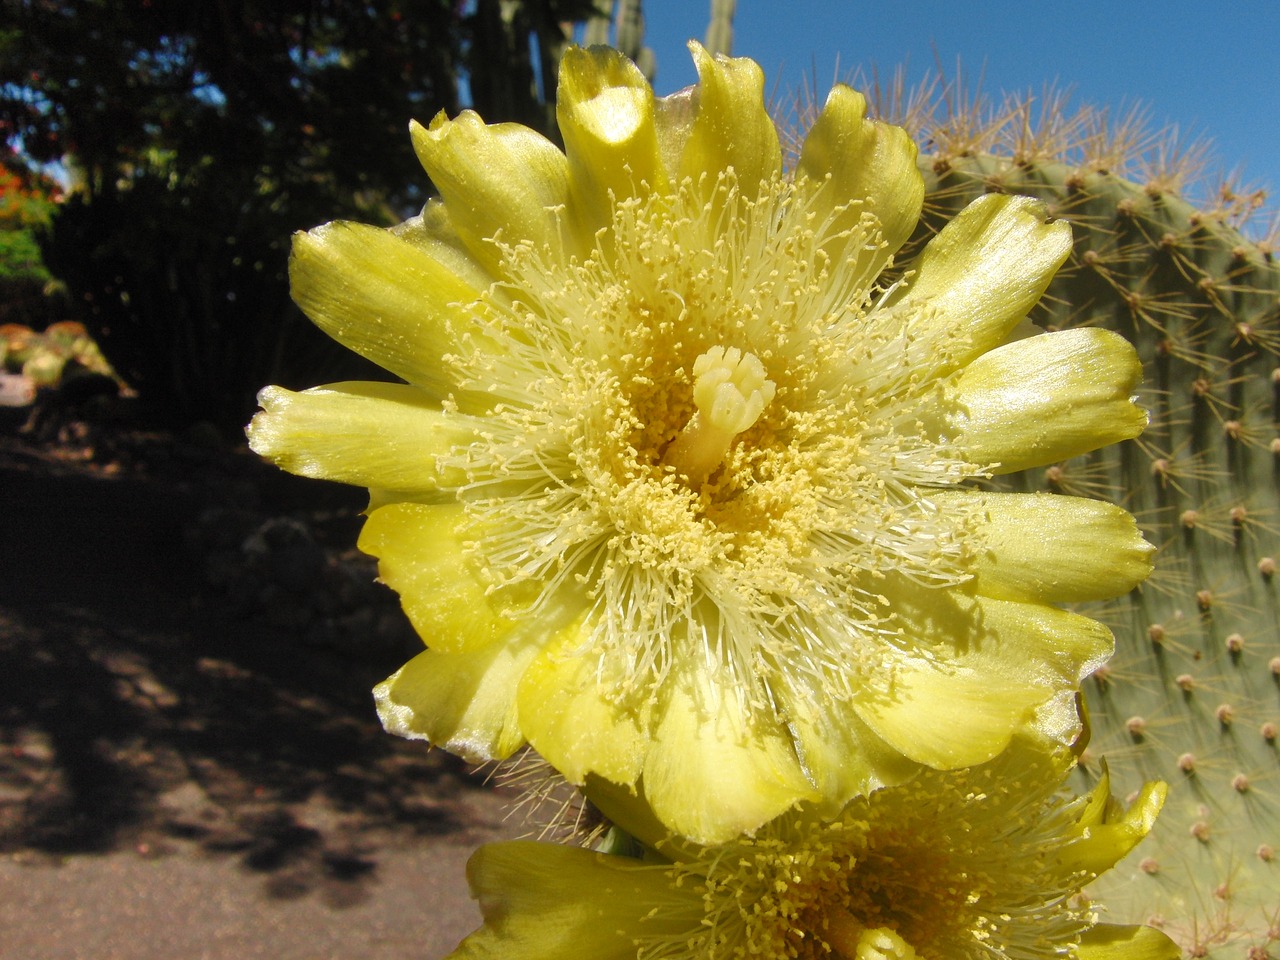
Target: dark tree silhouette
[{"x": 199, "y": 136}]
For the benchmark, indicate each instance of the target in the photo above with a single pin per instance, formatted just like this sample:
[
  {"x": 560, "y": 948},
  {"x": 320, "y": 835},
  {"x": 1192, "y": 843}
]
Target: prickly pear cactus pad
[{"x": 1192, "y": 695}]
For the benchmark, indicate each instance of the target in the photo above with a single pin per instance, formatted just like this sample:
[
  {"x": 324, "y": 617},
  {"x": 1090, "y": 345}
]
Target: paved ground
[
  {"x": 185, "y": 906},
  {"x": 180, "y": 780}
]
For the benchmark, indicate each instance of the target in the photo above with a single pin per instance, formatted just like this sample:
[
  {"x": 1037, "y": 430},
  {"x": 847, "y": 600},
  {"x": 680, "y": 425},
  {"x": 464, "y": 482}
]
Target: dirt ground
[{"x": 184, "y": 774}]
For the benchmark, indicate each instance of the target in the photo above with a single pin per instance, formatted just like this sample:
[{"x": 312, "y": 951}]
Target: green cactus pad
[{"x": 1192, "y": 695}]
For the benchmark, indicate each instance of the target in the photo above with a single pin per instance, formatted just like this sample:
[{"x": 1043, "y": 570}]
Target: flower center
[{"x": 730, "y": 391}]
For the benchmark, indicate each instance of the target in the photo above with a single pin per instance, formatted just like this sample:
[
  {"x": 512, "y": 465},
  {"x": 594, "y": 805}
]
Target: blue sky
[{"x": 1212, "y": 69}]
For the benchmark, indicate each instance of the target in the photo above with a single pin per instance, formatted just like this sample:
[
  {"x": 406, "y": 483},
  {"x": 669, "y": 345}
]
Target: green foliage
[
  {"x": 20, "y": 260},
  {"x": 28, "y": 292},
  {"x": 1192, "y": 696},
  {"x": 189, "y": 300},
  {"x": 308, "y": 93}
]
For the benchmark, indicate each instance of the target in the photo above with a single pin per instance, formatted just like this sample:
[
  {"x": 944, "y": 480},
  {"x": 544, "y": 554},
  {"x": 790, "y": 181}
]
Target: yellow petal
[
  {"x": 462, "y": 702},
  {"x": 975, "y": 670},
  {"x": 421, "y": 556},
  {"x": 1040, "y": 644},
  {"x": 1046, "y": 398},
  {"x": 571, "y": 721},
  {"x": 433, "y": 232},
  {"x": 731, "y": 129},
  {"x": 543, "y": 901},
  {"x": 705, "y": 750},
  {"x": 977, "y": 279},
  {"x": 847, "y": 157},
  {"x": 386, "y": 435},
  {"x": 838, "y": 752},
  {"x": 674, "y": 116},
  {"x": 383, "y": 297},
  {"x": 605, "y": 109},
  {"x": 498, "y": 180},
  {"x": 1092, "y": 808},
  {"x": 1108, "y": 941},
  {"x": 949, "y": 716},
  {"x": 1052, "y": 549},
  {"x": 629, "y": 809},
  {"x": 1105, "y": 842}
]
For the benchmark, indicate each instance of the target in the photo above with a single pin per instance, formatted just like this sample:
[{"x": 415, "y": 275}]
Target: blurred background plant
[
  {"x": 29, "y": 294},
  {"x": 43, "y": 357}
]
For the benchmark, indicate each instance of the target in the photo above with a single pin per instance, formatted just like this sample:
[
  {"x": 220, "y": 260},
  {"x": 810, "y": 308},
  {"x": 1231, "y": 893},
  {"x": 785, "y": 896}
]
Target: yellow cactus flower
[
  {"x": 674, "y": 489},
  {"x": 984, "y": 863}
]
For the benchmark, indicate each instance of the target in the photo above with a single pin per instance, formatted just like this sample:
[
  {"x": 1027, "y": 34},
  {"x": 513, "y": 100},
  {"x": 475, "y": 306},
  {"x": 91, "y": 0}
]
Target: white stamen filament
[{"x": 730, "y": 390}]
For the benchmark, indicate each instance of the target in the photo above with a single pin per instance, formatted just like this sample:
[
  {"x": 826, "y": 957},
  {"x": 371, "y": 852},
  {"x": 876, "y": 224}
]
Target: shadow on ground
[{"x": 140, "y": 707}]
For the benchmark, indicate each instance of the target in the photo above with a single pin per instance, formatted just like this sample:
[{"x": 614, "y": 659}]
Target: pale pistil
[{"x": 730, "y": 391}]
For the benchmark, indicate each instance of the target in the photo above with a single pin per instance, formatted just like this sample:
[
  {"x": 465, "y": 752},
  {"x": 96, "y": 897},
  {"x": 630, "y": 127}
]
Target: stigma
[
  {"x": 730, "y": 391},
  {"x": 851, "y": 941}
]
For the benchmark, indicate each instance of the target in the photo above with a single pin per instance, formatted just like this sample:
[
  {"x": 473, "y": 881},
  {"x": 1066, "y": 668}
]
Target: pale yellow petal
[
  {"x": 949, "y": 715},
  {"x": 605, "y": 109},
  {"x": 386, "y": 435},
  {"x": 838, "y": 752},
  {"x": 731, "y": 129},
  {"x": 1107, "y": 941},
  {"x": 629, "y": 809},
  {"x": 704, "y": 750},
  {"x": 383, "y": 297},
  {"x": 543, "y": 901},
  {"x": 1046, "y": 398},
  {"x": 849, "y": 164},
  {"x": 433, "y": 232},
  {"x": 462, "y": 693},
  {"x": 1049, "y": 548},
  {"x": 1035, "y": 643},
  {"x": 977, "y": 279},
  {"x": 462, "y": 702},
  {"x": 673, "y": 117},
  {"x": 422, "y": 556},
  {"x": 498, "y": 180},
  {"x": 571, "y": 721},
  {"x": 1106, "y": 841},
  {"x": 974, "y": 670}
]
